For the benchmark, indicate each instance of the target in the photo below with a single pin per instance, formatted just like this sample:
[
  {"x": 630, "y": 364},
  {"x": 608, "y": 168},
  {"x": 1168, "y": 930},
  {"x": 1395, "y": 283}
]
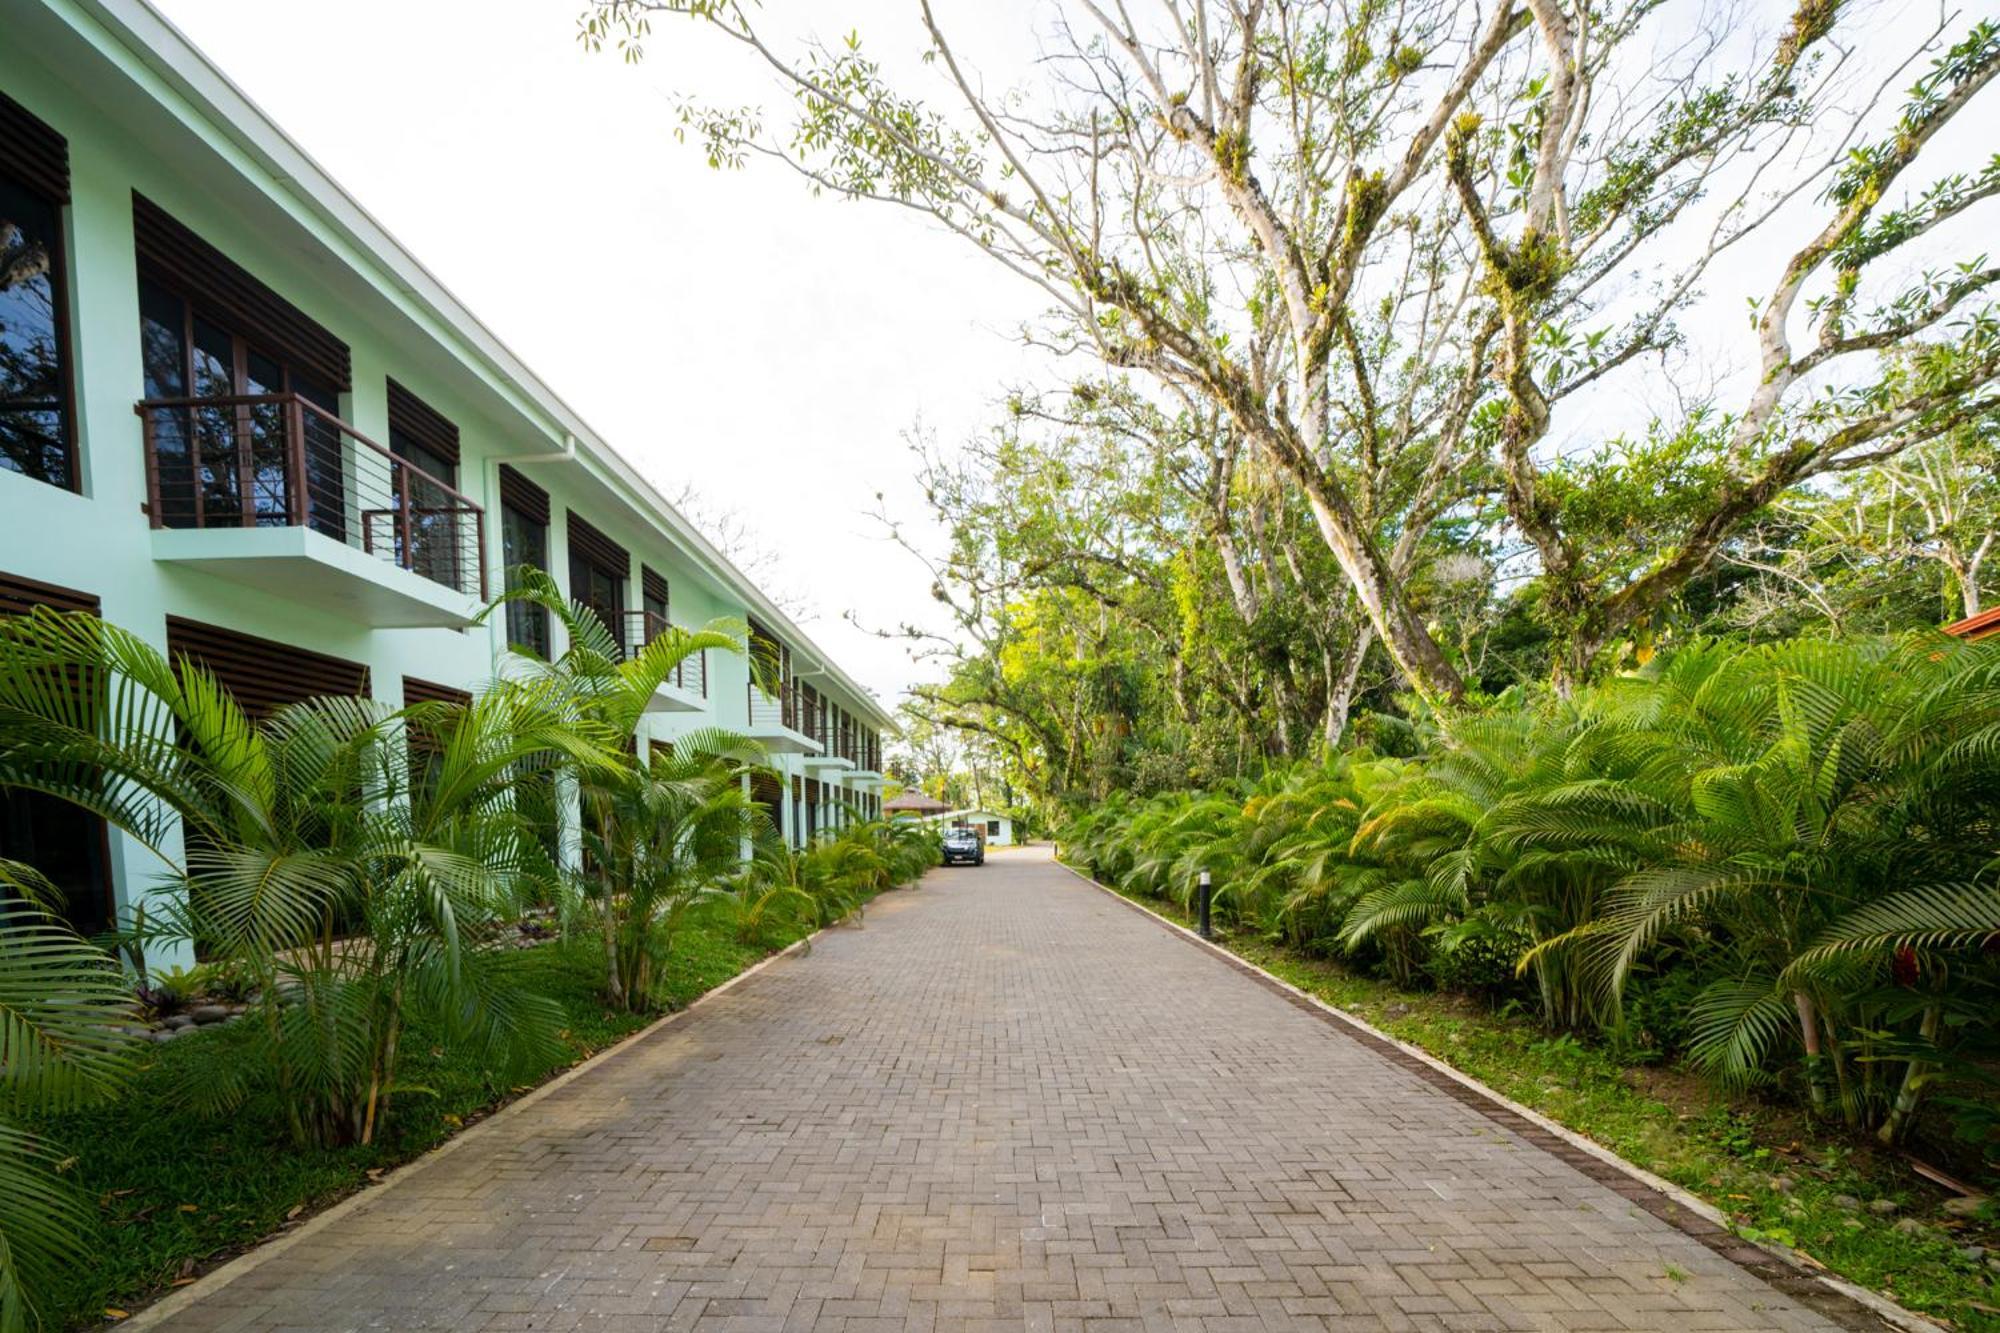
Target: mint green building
[{"x": 240, "y": 420}]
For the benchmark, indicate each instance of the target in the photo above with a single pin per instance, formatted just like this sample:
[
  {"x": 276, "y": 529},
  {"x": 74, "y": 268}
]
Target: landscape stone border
[{"x": 1850, "y": 1306}]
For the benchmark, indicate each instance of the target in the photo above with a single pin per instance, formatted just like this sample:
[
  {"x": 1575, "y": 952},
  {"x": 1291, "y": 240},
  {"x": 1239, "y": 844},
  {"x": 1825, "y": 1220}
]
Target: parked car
[{"x": 964, "y": 844}]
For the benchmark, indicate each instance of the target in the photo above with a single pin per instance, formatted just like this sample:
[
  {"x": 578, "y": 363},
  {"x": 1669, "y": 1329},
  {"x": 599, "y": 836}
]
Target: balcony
[
  {"x": 833, "y": 758},
  {"x": 774, "y": 723},
  {"x": 686, "y": 690},
  {"x": 275, "y": 492}
]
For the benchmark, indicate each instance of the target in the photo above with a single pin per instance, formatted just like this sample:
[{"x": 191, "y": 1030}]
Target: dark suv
[{"x": 963, "y": 844}]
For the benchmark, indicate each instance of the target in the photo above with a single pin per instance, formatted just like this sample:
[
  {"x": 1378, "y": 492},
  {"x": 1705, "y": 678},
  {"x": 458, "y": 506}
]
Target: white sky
[{"x": 719, "y": 328}]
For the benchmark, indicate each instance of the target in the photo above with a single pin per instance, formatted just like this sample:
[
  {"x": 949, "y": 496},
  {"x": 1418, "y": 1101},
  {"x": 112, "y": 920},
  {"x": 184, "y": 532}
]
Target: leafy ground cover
[
  {"x": 179, "y": 1192},
  {"x": 1825, "y": 1197}
]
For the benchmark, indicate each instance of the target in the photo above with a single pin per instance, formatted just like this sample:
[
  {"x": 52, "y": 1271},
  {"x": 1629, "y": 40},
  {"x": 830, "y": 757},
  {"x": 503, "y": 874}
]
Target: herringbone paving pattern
[{"x": 1007, "y": 1102}]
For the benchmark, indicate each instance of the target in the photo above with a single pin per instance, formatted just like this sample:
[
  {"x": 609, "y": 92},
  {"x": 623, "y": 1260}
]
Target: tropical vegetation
[
  {"x": 1777, "y": 861},
  {"x": 357, "y": 880}
]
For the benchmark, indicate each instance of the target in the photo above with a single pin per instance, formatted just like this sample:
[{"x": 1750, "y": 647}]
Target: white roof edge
[{"x": 151, "y": 37}]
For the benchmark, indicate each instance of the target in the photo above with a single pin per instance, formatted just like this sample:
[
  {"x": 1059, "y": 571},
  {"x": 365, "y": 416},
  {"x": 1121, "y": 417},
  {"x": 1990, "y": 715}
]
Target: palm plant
[
  {"x": 62, "y": 1004},
  {"x": 657, "y": 840},
  {"x": 910, "y": 848},
  {"x": 350, "y": 895},
  {"x": 638, "y": 884},
  {"x": 1808, "y": 828},
  {"x": 1823, "y": 815}
]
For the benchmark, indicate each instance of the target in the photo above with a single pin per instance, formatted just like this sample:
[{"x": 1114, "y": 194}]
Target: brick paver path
[{"x": 1008, "y": 1102}]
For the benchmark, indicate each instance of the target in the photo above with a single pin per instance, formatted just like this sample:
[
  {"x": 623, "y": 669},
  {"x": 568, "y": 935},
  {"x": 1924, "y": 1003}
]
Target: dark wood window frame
[
  {"x": 591, "y": 552},
  {"x": 525, "y": 503},
  {"x": 19, "y": 596},
  {"x": 35, "y": 158}
]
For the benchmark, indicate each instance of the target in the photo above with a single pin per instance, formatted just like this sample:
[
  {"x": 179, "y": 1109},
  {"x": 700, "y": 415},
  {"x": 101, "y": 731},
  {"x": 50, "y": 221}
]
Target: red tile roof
[{"x": 1984, "y": 625}]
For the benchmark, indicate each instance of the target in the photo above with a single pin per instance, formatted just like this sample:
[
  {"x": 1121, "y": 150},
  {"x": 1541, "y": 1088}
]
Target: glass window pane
[{"x": 34, "y": 399}]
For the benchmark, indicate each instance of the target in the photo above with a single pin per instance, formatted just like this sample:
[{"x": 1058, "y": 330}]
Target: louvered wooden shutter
[
  {"x": 653, "y": 584},
  {"x": 33, "y": 153},
  {"x": 173, "y": 256},
  {"x": 429, "y": 691},
  {"x": 523, "y": 496},
  {"x": 424, "y": 742},
  {"x": 19, "y": 596},
  {"x": 412, "y": 416},
  {"x": 263, "y": 674},
  {"x": 599, "y": 549}
]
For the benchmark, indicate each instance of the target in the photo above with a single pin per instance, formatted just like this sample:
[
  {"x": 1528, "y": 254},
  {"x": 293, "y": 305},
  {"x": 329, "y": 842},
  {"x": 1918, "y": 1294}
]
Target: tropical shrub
[
  {"x": 63, "y": 1004},
  {"x": 657, "y": 840},
  {"x": 347, "y": 863},
  {"x": 1779, "y": 859},
  {"x": 656, "y": 835}
]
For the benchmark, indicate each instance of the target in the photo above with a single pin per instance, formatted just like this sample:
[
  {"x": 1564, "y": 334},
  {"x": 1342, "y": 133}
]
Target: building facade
[{"x": 238, "y": 419}]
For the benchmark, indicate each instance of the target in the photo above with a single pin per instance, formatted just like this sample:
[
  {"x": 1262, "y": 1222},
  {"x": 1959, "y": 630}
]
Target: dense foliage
[
  {"x": 354, "y": 874},
  {"x": 1777, "y": 860}
]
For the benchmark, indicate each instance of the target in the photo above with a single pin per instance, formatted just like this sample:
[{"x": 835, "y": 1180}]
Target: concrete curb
[
  {"x": 1853, "y": 1306},
  {"x": 264, "y": 1251}
]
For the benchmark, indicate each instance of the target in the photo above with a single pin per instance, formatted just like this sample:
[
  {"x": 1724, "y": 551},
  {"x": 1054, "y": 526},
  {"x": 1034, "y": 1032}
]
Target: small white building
[{"x": 997, "y": 828}]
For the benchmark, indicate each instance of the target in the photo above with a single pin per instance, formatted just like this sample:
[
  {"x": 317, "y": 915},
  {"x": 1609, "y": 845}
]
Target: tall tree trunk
[{"x": 1341, "y": 682}]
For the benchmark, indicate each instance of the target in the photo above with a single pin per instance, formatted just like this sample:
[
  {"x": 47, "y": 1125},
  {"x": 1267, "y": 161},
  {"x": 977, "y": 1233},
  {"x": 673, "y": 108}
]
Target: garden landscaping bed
[
  {"x": 179, "y": 1192},
  {"x": 1840, "y": 1203}
]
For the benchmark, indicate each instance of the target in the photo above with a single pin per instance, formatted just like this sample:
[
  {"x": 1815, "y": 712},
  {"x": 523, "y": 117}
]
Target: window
[
  {"x": 597, "y": 587},
  {"x": 37, "y": 432},
  {"x": 226, "y": 465},
  {"x": 992, "y": 828},
  {"x": 653, "y": 599},
  {"x": 66, "y": 843},
  {"x": 210, "y": 330},
  {"x": 524, "y": 540},
  {"x": 598, "y": 569},
  {"x": 440, "y": 529}
]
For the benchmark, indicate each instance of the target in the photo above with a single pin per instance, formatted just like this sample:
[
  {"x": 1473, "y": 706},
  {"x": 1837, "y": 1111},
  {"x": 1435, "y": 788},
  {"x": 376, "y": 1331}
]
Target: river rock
[
  {"x": 1909, "y": 1226},
  {"x": 1883, "y": 1207},
  {"x": 1964, "y": 1206},
  {"x": 178, "y": 1021},
  {"x": 209, "y": 1013},
  {"x": 1847, "y": 1201}
]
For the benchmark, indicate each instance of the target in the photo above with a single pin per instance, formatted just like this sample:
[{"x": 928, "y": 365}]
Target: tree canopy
[{"x": 1403, "y": 338}]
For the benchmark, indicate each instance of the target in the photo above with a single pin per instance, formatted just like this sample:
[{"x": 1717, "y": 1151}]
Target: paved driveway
[{"x": 1010, "y": 1102}]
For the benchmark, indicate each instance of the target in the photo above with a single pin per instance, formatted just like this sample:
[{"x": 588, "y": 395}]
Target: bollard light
[{"x": 1206, "y": 894}]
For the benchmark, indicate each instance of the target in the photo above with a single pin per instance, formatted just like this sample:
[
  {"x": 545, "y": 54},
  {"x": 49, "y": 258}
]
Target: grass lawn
[
  {"x": 1781, "y": 1178},
  {"x": 178, "y": 1192}
]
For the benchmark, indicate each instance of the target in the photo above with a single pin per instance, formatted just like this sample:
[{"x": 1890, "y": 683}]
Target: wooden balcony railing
[
  {"x": 640, "y": 628},
  {"x": 281, "y": 461}
]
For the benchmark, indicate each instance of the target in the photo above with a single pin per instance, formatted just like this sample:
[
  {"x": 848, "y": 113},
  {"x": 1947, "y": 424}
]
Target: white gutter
[{"x": 566, "y": 454}]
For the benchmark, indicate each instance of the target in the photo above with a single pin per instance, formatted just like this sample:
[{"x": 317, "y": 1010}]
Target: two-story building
[{"x": 240, "y": 420}]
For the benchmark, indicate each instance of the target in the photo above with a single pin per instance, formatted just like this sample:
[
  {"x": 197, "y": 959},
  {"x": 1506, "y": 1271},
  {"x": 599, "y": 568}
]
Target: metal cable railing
[{"x": 280, "y": 460}]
